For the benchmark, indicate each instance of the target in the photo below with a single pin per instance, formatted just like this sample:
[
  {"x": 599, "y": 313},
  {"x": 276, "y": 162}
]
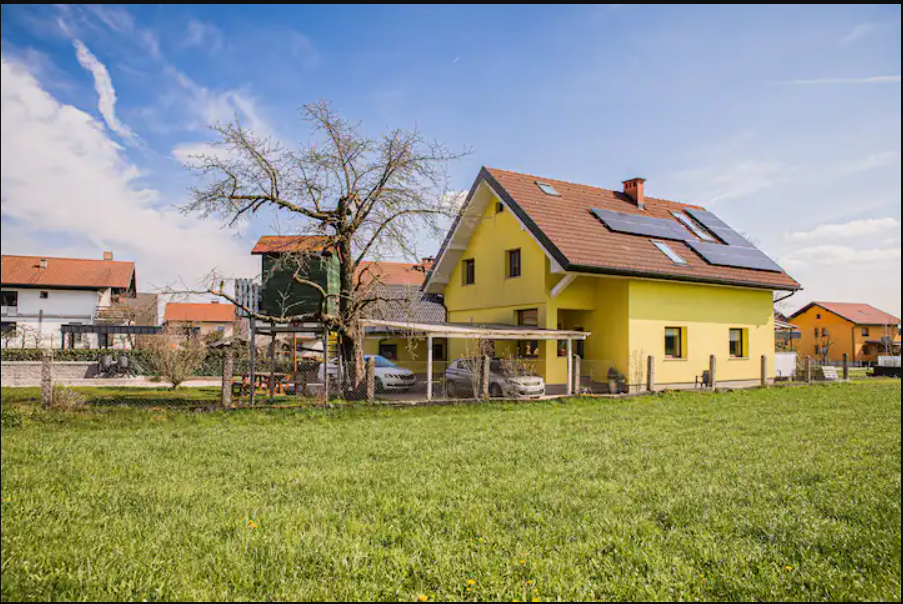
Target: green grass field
[{"x": 789, "y": 494}]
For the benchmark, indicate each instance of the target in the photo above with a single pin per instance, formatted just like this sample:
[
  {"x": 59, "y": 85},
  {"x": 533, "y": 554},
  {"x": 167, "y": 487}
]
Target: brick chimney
[
  {"x": 634, "y": 189},
  {"x": 108, "y": 256}
]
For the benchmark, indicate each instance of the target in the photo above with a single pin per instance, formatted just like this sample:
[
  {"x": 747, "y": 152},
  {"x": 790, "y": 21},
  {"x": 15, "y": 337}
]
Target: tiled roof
[
  {"x": 405, "y": 303},
  {"x": 66, "y": 272},
  {"x": 181, "y": 312},
  {"x": 395, "y": 273},
  {"x": 860, "y": 314},
  {"x": 276, "y": 244},
  {"x": 569, "y": 231}
]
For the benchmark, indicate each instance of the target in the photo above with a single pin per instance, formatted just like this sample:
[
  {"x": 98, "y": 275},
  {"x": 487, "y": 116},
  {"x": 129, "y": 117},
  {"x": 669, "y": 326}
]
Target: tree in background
[
  {"x": 825, "y": 343},
  {"x": 175, "y": 353},
  {"x": 363, "y": 196}
]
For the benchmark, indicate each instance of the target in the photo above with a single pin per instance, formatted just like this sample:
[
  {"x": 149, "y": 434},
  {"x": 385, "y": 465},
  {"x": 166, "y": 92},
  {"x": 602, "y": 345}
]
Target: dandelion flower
[
  {"x": 523, "y": 562},
  {"x": 788, "y": 568},
  {"x": 471, "y": 582},
  {"x": 423, "y": 599}
]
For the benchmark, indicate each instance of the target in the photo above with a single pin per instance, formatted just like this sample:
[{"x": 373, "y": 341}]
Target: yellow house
[
  {"x": 831, "y": 330},
  {"x": 646, "y": 277}
]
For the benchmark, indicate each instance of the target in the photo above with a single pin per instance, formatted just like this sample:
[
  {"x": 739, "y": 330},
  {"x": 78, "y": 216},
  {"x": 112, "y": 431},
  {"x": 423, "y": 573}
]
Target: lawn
[{"x": 790, "y": 494}]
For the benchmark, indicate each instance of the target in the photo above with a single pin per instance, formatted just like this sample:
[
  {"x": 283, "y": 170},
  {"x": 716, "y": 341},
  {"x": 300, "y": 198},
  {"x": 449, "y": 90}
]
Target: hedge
[{"x": 211, "y": 367}]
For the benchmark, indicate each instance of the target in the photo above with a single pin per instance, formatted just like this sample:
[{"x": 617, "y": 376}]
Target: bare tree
[
  {"x": 826, "y": 343},
  {"x": 363, "y": 196},
  {"x": 176, "y": 353}
]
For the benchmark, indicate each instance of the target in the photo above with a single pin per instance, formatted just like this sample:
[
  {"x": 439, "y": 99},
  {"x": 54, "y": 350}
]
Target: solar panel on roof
[
  {"x": 634, "y": 224},
  {"x": 693, "y": 226},
  {"x": 735, "y": 256},
  {"x": 721, "y": 229}
]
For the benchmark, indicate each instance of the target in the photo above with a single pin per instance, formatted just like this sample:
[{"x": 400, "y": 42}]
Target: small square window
[
  {"x": 44, "y": 295},
  {"x": 528, "y": 349},
  {"x": 866, "y": 332},
  {"x": 547, "y": 189},
  {"x": 388, "y": 351},
  {"x": 469, "y": 273},
  {"x": 514, "y": 264},
  {"x": 500, "y": 208},
  {"x": 668, "y": 251},
  {"x": 529, "y": 318},
  {"x": 674, "y": 342}
]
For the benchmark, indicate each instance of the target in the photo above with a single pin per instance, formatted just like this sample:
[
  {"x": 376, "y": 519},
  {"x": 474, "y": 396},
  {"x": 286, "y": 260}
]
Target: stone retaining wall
[{"x": 27, "y": 373}]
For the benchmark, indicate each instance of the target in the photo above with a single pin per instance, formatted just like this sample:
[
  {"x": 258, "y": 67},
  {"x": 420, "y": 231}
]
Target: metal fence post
[
  {"x": 764, "y": 371},
  {"x": 370, "y": 374},
  {"x": 47, "y": 378},
  {"x": 228, "y": 368},
  {"x": 650, "y": 374},
  {"x": 846, "y": 367},
  {"x": 484, "y": 378},
  {"x": 577, "y": 385},
  {"x": 713, "y": 372}
]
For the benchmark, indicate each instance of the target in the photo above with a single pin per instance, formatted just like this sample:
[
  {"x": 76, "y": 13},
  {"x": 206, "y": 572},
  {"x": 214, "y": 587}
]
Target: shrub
[{"x": 66, "y": 399}]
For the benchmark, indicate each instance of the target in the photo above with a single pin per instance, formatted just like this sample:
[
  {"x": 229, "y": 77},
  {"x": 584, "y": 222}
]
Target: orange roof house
[
  {"x": 67, "y": 273},
  {"x": 832, "y": 329},
  {"x": 205, "y": 318}
]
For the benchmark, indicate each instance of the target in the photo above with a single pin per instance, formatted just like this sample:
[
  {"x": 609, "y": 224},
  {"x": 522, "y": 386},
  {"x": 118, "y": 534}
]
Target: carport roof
[{"x": 473, "y": 331}]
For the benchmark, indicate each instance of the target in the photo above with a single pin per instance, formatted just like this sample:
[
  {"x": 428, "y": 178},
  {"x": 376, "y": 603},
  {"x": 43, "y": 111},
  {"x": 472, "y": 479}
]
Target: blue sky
[{"x": 785, "y": 120}]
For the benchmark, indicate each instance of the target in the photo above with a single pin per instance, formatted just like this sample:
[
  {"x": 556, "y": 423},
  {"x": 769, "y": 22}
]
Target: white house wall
[{"x": 43, "y": 318}]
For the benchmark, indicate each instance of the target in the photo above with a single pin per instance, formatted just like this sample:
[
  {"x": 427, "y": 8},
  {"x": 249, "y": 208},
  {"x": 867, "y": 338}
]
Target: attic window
[
  {"x": 547, "y": 189},
  {"x": 499, "y": 208},
  {"x": 670, "y": 253},
  {"x": 694, "y": 228}
]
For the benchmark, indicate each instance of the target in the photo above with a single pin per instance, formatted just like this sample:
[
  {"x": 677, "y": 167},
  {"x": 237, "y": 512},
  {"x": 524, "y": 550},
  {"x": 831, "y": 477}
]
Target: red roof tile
[
  {"x": 394, "y": 273},
  {"x": 181, "y": 312},
  {"x": 859, "y": 314},
  {"x": 26, "y": 271},
  {"x": 274, "y": 244},
  {"x": 568, "y": 225}
]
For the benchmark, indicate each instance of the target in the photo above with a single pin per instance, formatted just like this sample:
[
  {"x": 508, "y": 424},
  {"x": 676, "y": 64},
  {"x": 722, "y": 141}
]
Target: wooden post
[
  {"x": 808, "y": 370},
  {"x": 429, "y": 368},
  {"x": 484, "y": 378},
  {"x": 252, "y": 370},
  {"x": 577, "y": 372},
  {"x": 228, "y": 368},
  {"x": 764, "y": 371},
  {"x": 570, "y": 351},
  {"x": 272, "y": 384},
  {"x": 846, "y": 367},
  {"x": 650, "y": 374},
  {"x": 370, "y": 375},
  {"x": 326, "y": 365},
  {"x": 713, "y": 372},
  {"x": 47, "y": 378}
]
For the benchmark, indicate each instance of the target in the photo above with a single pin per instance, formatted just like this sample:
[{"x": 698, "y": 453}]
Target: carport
[{"x": 474, "y": 331}]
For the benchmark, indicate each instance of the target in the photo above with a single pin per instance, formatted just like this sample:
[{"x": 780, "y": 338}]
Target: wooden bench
[{"x": 829, "y": 374}]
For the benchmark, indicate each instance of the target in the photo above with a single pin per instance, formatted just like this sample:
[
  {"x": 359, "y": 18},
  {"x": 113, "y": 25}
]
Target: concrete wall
[{"x": 27, "y": 373}]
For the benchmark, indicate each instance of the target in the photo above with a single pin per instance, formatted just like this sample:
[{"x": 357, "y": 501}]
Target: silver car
[
  {"x": 389, "y": 376},
  {"x": 462, "y": 382}
]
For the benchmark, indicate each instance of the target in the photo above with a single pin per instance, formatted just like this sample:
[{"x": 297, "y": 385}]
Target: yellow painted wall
[
  {"x": 626, "y": 317},
  {"x": 847, "y": 336},
  {"x": 707, "y": 313},
  {"x": 412, "y": 354}
]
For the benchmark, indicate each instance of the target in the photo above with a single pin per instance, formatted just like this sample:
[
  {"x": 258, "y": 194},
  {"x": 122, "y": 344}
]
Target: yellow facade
[
  {"x": 626, "y": 317},
  {"x": 843, "y": 336}
]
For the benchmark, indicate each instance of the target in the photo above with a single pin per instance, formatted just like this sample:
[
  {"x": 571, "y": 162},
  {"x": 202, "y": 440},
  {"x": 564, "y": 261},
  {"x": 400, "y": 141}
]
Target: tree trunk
[{"x": 352, "y": 342}]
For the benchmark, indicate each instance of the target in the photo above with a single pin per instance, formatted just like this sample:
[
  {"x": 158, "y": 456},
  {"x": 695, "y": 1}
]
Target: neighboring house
[
  {"x": 204, "y": 319},
  {"x": 644, "y": 276},
  {"x": 832, "y": 329},
  {"x": 395, "y": 291},
  {"x": 41, "y": 294}
]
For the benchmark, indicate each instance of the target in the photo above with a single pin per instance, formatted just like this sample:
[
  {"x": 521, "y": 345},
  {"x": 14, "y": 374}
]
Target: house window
[
  {"x": 500, "y": 208},
  {"x": 220, "y": 328},
  {"x": 514, "y": 264},
  {"x": 469, "y": 274},
  {"x": 388, "y": 351},
  {"x": 818, "y": 317},
  {"x": 7, "y": 328},
  {"x": 738, "y": 343},
  {"x": 44, "y": 295},
  {"x": 528, "y": 349},
  {"x": 9, "y": 298},
  {"x": 816, "y": 332},
  {"x": 824, "y": 332},
  {"x": 529, "y": 317},
  {"x": 866, "y": 332},
  {"x": 674, "y": 342},
  {"x": 438, "y": 352}
]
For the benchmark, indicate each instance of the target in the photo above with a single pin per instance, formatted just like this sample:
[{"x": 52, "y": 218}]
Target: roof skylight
[
  {"x": 670, "y": 253},
  {"x": 547, "y": 189},
  {"x": 694, "y": 228}
]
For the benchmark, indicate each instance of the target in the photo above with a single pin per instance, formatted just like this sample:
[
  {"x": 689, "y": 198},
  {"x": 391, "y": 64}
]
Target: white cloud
[
  {"x": 860, "y": 31},
  {"x": 889, "y": 79},
  {"x": 839, "y": 256},
  {"x": 304, "y": 50},
  {"x": 873, "y": 162},
  {"x": 105, "y": 92},
  {"x": 187, "y": 153},
  {"x": 67, "y": 188},
  {"x": 736, "y": 179},
  {"x": 203, "y": 34},
  {"x": 849, "y": 230}
]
